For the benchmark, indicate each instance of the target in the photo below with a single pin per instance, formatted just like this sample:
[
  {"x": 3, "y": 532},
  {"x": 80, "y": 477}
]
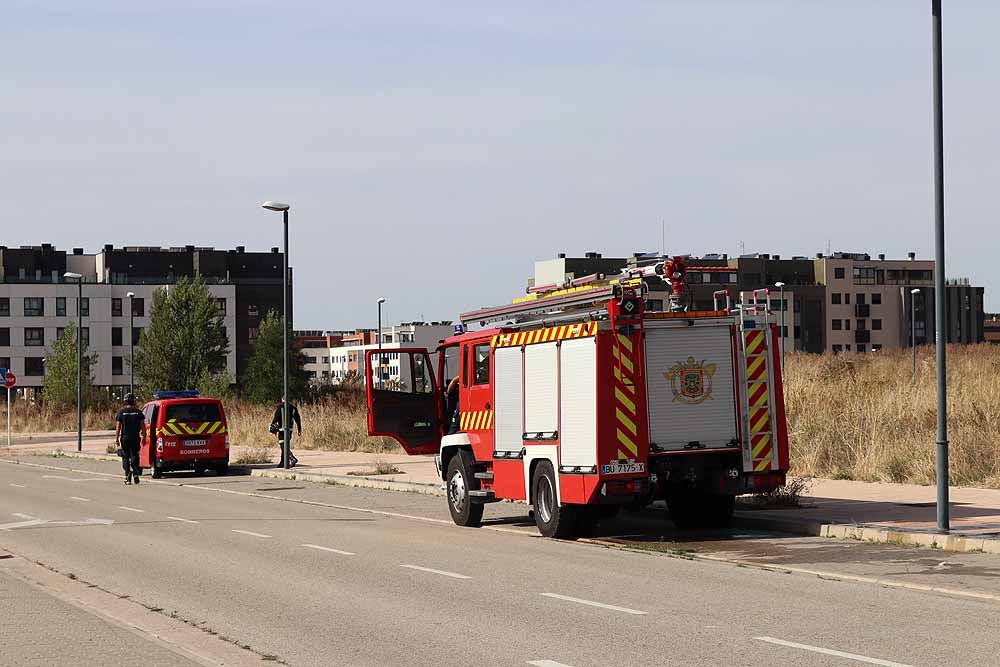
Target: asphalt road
[{"x": 382, "y": 578}]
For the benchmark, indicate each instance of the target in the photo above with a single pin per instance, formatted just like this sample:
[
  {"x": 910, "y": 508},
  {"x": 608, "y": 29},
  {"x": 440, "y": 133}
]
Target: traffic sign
[{"x": 9, "y": 379}]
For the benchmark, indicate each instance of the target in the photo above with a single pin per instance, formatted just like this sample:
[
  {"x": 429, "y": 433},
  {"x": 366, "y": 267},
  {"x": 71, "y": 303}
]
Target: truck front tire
[
  {"x": 459, "y": 482},
  {"x": 551, "y": 519}
]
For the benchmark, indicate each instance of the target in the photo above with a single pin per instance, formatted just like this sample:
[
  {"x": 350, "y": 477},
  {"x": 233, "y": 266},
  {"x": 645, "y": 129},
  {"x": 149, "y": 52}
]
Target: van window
[{"x": 194, "y": 412}]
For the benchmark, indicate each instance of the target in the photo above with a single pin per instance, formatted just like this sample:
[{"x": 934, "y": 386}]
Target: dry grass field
[{"x": 850, "y": 417}]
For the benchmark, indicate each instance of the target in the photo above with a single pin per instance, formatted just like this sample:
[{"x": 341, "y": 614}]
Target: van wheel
[
  {"x": 460, "y": 481},
  {"x": 222, "y": 470},
  {"x": 551, "y": 519},
  {"x": 199, "y": 471},
  {"x": 155, "y": 473}
]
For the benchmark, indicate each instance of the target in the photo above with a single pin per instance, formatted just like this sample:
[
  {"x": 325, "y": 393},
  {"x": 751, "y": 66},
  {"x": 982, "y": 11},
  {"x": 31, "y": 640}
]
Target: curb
[
  {"x": 868, "y": 533},
  {"x": 65, "y": 455},
  {"x": 350, "y": 480}
]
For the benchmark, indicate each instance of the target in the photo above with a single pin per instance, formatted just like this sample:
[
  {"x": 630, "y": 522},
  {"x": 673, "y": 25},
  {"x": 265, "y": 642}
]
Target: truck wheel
[
  {"x": 155, "y": 473},
  {"x": 460, "y": 481},
  {"x": 222, "y": 470},
  {"x": 551, "y": 519},
  {"x": 719, "y": 510}
]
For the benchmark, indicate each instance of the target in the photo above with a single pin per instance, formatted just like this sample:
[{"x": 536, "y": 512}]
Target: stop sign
[{"x": 9, "y": 380}]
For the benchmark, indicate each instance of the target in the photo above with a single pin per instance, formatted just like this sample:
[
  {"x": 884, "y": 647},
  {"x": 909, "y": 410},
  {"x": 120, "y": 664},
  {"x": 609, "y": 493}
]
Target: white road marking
[
  {"x": 433, "y": 571},
  {"x": 177, "y": 518},
  {"x": 827, "y": 651},
  {"x": 595, "y": 604},
  {"x": 22, "y": 524},
  {"x": 130, "y": 509},
  {"x": 19, "y": 486},
  {"x": 75, "y": 479},
  {"x": 333, "y": 551},
  {"x": 62, "y": 477},
  {"x": 547, "y": 663},
  {"x": 19, "y": 515},
  {"x": 247, "y": 532},
  {"x": 82, "y": 500}
]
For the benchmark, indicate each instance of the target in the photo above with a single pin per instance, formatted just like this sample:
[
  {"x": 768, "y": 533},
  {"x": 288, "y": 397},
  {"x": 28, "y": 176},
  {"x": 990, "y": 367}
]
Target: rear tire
[
  {"x": 199, "y": 471},
  {"x": 459, "y": 481},
  {"x": 155, "y": 473},
  {"x": 222, "y": 470},
  {"x": 551, "y": 519}
]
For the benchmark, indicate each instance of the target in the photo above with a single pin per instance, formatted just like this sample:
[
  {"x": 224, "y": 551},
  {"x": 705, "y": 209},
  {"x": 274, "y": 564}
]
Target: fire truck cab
[{"x": 582, "y": 402}]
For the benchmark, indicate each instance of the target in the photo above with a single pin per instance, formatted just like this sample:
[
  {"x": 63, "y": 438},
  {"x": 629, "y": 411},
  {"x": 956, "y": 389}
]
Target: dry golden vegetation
[
  {"x": 850, "y": 417},
  {"x": 863, "y": 417}
]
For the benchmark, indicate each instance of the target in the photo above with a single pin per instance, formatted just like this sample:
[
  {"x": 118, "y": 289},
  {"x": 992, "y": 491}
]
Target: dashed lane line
[
  {"x": 82, "y": 500},
  {"x": 829, "y": 651},
  {"x": 444, "y": 573},
  {"x": 251, "y": 533},
  {"x": 331, "y": 550},
  {"x": 177, "y": 518},
  {"x": 591, "y": 603},
  {"x": 547, "y": 663},
  {"x": 18, "y": 486},
  {"x": 21, "y": 515},
  {"x": 130, "y": 509}
]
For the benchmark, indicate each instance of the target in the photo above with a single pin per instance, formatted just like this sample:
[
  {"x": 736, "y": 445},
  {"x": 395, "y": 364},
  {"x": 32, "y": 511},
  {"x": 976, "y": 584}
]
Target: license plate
[
  {"x": 622, "y": 468},
  {"x": 195, "y": 443}
]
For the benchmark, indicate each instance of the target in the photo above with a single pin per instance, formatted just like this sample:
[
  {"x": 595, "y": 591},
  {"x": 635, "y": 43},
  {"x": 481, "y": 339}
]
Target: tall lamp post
[
  {"x": 69, "y": 275},
  {"x": 913, "y": 328},
  {"x": 378, "y": 339},
  {"x": 286, "y": 427},
  {"x": 781, "y": 293},
  {"x": 940, "y": 336},
  {"x": 131, "y": 344}
]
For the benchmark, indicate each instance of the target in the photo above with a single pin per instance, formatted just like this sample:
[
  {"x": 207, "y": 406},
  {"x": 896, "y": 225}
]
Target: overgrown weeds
[
  {"x": 789, "y": 495},
  {"x": 255, "y": 456}
]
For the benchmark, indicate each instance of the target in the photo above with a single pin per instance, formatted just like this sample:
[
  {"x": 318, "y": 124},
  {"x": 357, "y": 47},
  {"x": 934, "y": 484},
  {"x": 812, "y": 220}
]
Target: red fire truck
[{"x": 579, "y": 401}]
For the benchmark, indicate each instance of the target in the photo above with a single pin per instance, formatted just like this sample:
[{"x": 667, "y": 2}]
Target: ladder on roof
[{"x": 759, "y": 446}]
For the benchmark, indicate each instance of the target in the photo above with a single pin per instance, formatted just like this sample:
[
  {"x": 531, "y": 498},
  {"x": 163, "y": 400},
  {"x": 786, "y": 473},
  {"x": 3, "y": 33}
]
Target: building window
[
  {"x": 34, "y": 337},
  {"x": 751, "y": 280},
  {"x": 116, "y": 366},
  {"x": 34, "y": 306},
  {"x": 252, "y": 333},
  {"x": 116, "y": 307},
  {"x": 835, "y": 298},
  {"x": 838, "y": 348},
  {"x": 784, "y": 331},
  {"x": 220, "y": 306},
  {"x": 838, "y": 273},
  {"x": 5, "y": 306},
  {"x": 862, "y": 348},
  {"x": 85, "y": 336},
  {"x": 84, "y": 310},
  {"x": 138, "y": 307},
  {"x": 861, "y": 325},
  {"x": 847, "y": 325},
  {"x": 876, "y": 347},
  {"x": 59, "y": 332},
  {"x": 252, "y": 310},
  {"x": 864, "y": 276},
  {"x": 876, "y": 298},
  {"x": 837, "y": 325},
  {"x": 60, "y": 306},
  {"x": 847, "y": 298},
  {"x": 876, "y": 325},
  {"x": 34, "y": 366},
  {"x": 5, "y": 362},
  {"x": 136, "y": 335},
  {"x": 860, "y": 299},
  {"x": 5, "y": 338},
  {"x": 798, "y": 332},
  {"x": 116, "y": 336}
]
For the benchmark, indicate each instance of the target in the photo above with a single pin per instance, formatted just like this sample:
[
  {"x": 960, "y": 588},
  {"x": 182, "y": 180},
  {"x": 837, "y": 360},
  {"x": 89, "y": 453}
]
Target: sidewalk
[{"x": 892, "y": 513}]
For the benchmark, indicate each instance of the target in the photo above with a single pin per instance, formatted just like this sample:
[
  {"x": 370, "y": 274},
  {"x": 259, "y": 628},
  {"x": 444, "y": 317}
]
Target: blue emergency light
[{"x": 182, "y": 393}]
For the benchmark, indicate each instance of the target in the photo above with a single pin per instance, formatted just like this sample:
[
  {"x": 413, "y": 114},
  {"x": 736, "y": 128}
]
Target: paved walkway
[{"x": 884, "y": 511}]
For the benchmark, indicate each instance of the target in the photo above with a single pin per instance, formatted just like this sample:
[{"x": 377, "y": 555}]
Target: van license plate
[
  {"x": 622, "y": 468},
  {"x": 195, "y": 443}
]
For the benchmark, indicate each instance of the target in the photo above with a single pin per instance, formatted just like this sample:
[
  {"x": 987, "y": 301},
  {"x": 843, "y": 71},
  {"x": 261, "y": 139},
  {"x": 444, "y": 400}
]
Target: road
[{"x": 358, "y": 577}]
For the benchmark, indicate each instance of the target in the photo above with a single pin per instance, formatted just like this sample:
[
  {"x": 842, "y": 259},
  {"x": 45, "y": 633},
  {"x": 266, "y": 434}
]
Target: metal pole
[
  {"x": 782, "y": 297},
  {"x": 940, "y": 338},
  {"x": 378, "y": 338},
  {"x": 913, "y": 332},
  {"x": 79, "y": 364},
  {"x": 131, "y": 347},
  {"x": 286, "y": 414},
  {"x": 8, "y": 418}
]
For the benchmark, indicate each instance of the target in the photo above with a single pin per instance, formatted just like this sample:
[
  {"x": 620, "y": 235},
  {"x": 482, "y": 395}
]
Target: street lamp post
[
  {"x": 781, "y": 293},
  {"x": 131, "y": 344},
  {"x": 913, "y": 328},
  {"x": 69, "y": 275},
  {"x": 378, "y": 339},
  {"x": 286, "y": 427},
  {"x": 940, "y": 338}
]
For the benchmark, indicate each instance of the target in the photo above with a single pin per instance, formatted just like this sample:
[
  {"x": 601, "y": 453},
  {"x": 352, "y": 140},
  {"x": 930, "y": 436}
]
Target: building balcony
[
  {"x": 862, "y": 310},
  {"x": 862, "y": 336}
]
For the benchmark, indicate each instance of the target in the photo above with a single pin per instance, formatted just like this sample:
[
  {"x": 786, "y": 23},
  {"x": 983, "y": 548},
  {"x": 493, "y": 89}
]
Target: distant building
[
  {"x": 36, "y": 302},
  {"x": 842, "y": 302}
]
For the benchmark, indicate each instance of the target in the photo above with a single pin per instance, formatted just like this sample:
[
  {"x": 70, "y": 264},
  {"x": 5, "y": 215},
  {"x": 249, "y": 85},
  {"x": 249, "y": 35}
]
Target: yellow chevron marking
[
  {"x": 625, "y": 400},
  {"x": 625, "y": 420},
  {"x": 629, "y": 445},
  {"x": 223, "y": 429},
  {"x": 625, "y": 342},
  {"x": 461, "y": 420},
  {"x": 489, "y": 420},
  {"x": 754, "y": 364},
  {"x": 215, "y": 427},
  {"x": 763, "y": 464},
  {"x": 622, "y": 455},
  {"x": 761, "y": 444},
  {"x": 626, "y": 381},
  {"x": 627, "y": 363}
]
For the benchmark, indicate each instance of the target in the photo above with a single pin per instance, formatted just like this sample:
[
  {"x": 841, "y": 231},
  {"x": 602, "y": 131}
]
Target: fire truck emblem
[{"x": 691, "y": 381}]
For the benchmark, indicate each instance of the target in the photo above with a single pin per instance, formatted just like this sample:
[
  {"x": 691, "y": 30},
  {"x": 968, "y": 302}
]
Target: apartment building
[
  {"x": 330, "y": 365},
  {"x": 36, "y": 302},
  {"x": 841, "y": 302}
]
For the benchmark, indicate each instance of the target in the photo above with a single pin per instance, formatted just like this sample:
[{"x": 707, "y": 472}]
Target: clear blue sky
[{"x": 433, "y": 150}]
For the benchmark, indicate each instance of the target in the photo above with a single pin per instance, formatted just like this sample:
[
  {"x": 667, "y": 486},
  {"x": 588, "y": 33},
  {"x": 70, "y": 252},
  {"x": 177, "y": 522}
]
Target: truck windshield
[{"x": 194, "y": 412}]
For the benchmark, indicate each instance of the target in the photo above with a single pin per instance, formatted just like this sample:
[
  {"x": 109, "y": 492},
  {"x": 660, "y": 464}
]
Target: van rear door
[
  {"x": 196, "y": 423},
  {"x": 690, "y": 385}
]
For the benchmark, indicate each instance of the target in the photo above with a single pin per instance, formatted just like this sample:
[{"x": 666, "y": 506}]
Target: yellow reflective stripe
[
  {"x": 625, "y": 420},
  {"x": 624, "y": 439},
  {"x": 622, "y": 455},
  {"x": 625, "y": 400},
  {"x": 214, "y": 427},
  {"x": 764, "y": 441},
  {"x": 201, "y": 429},
  {"x": 625, "y": 342},
  {"x": 627, "y": 363},
  {"x": 763, "y": 465}
]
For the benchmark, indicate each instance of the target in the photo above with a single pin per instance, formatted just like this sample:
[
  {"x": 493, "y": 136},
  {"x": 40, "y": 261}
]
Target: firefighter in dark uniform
[
  {"x": 276, "y": 428},
  {"x": 130, "y": 433}
]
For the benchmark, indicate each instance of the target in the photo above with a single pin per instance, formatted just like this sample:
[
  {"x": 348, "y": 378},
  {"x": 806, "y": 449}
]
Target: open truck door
[{"x": 404, "y": 402}]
